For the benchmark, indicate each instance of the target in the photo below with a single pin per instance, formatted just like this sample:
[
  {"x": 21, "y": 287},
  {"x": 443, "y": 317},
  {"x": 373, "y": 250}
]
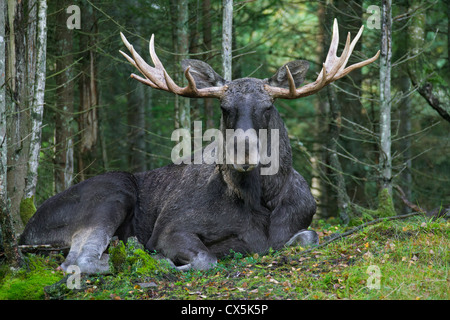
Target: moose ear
[
  {"x": 203, "y": 74},
  {"x": 298, "y": 69}
]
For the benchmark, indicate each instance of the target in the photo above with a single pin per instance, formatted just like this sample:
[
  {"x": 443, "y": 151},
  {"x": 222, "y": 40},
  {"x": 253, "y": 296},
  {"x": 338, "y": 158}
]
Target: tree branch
[
  {"x": 426, "y": 91},
  {"x": 346, "y": 234}
]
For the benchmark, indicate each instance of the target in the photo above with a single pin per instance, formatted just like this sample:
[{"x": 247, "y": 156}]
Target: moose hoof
[
  {"x": 202, "y": 261},
  {"x": 304, "y": 238}
]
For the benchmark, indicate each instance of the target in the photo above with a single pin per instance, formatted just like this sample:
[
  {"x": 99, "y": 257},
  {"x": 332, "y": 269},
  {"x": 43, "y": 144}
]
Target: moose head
[{"x": 247, "y": 103}]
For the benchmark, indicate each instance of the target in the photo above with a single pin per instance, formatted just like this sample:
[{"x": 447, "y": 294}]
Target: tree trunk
[
  {"x": 405, "y": 130},
  {"x": 37, "y": 107},
  {"x": 3, "y": 154},
  {"x": 7, "y": 232},
  {"x": 3, "y": 149},
  {"x": 64, "y": 165},
  {"x": 88, "y": 119},
  {"x": 207, "y": 40},
  {"x": 136, "y": 126},
  {"x": 227, "y": 28},
  {"x": 321, "y": 107},
  {"x": 343, "y": 201},
  {"x": 404, "y": 85},
  {"x": 18, "y": 113},
  {"x": 385, "y": 97},
  {"x": 180, "y": 17},
  {"x": 448, "y": 36},
  {"x": 350, "y": 98}
]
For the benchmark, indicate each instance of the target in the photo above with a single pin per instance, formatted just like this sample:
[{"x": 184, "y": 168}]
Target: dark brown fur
[{"x": 192, "y": 214}]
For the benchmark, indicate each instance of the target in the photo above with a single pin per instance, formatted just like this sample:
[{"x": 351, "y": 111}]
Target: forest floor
[{"x": 404, "y": 259}]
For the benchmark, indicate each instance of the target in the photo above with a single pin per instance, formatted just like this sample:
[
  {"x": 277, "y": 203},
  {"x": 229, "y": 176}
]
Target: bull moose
[{"x": 194, "y": 213}]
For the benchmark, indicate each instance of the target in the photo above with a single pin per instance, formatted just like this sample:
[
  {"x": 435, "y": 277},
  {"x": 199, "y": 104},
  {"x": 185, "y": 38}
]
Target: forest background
[{"x": 92, "y": 117}]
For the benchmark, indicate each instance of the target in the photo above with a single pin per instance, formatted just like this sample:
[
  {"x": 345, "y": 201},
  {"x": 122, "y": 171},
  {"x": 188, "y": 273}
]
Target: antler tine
[
  {"x": 332, "y": 51},
  {"x": 191, "y": 87},
  {"x": 292, "y": 88},
  {"x": 157, "y": 77},
  {"x": 144, "y": 81},
  {"x": 152, "y": 74},
  {"x": 358, "y": 65},
  {"x": 340, "y": 62},
  {"x": 352, "y": 45},
  {"x": 155, "y": 59},
  {"x": 333, "y": 64}
]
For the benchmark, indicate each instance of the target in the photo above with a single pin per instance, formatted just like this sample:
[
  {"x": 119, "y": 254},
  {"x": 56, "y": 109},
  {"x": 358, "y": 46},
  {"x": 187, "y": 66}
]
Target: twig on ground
[{"x": 347, "y": 233}]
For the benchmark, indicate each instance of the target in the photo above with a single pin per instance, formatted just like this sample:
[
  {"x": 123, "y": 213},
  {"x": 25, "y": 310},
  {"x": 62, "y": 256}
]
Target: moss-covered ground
[{"x": 398, "y": 259}]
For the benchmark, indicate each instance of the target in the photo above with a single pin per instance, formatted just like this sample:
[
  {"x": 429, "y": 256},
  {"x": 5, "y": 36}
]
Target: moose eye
[{"x": 267, "y": 108}]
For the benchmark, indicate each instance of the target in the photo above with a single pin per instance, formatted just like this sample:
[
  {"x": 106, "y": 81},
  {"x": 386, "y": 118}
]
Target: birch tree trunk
[
  {"x": 385, "y": 97},
  {"x": 37, "y": 107},
  {"x": 227, "y": 44}
]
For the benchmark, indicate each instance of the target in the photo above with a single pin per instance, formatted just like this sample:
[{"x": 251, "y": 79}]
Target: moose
[{"x": 193, "y": 214}]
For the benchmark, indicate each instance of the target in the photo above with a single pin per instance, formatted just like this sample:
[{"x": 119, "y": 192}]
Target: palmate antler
[
  {"x": 333, "y": 69},
  {"x": 157, "y": 77}
]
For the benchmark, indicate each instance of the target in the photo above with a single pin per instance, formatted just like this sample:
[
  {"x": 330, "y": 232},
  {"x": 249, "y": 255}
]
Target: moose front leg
[
  {"x": 281, "y": 235},
  {"x": 304, "y": 238},
  {"x": 289, "y": 227},
  {"x": 186, "y": 251}
]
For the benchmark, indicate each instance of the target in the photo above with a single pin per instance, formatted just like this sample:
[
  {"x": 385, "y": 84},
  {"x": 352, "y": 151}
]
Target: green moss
[
  {"x": 117, "y": 257},
  {"x": 28, "y": 282},
  {"x": 385, "y": 209},
  {"x": 385, "y": 204},
  {"x": 27, "y": 209},
  {"x": 132, "y": 259},
  {"x": 142, "y": 263}
]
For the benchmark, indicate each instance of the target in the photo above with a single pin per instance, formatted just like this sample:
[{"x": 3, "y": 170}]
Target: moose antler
[
  {"x": 333, "y": 69},
  {"x": 157, "y": 77}
]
